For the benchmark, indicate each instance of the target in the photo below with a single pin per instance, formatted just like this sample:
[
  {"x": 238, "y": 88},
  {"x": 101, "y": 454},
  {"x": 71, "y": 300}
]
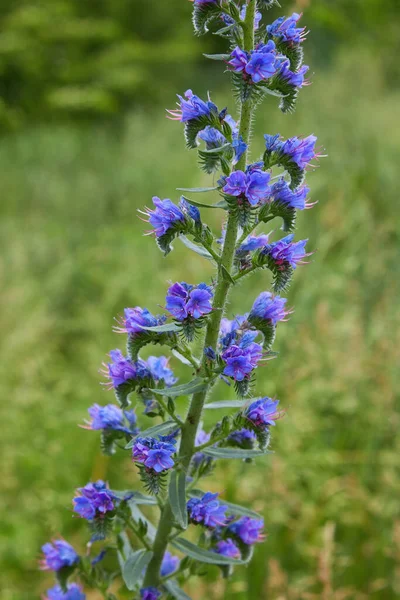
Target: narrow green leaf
[
  {"x": 221, "y": 204},
  {"x": 227, "y": 404},
  {"x": 124, "y": 548},
  {"x": 217, "y": 151},
  {"x": 198, "y": 190},
  {"x": 133, "y": 567},
  {"x": 160, "y": 429},
  {"x": 182, "y": 358},
  {"x": 186, "y": 389},
  {"x": 233, "y": 453},
  {"x": 273, "y": 93},
  {"x": 217, "y": 56},
  {"x": 166, "y": 328},
  {"x": 203, "y": 555},
  {"x": 175, "y": 591},
  {"x": 195, "y": 247},
  {"x": 226, "y": 275},
  {"x": 177, "y": 498},
  {"x": 134, "y": 497}
]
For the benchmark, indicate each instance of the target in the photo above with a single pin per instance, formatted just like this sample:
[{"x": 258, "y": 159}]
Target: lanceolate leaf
[
  {"x": 160, "y": 429},
  {"x": 134, "y": 497},
  {"x": 233, "y": 453},
  {"x": 186, "y": 389},
  {"x": 195, "y": 247},
  {"x": 166, "y": 328},
  {"x": 221, "y": 204},
  {"x": 175, "y": 591},
  {"x": 227, "y": 404},
  {"x": 203, "y": 555},
  {"x": 197, "y": 190},
  {"x": 217, "y": 56},
  {"x": 177, "y": 497},
  {"x": 133, "y": 567}
]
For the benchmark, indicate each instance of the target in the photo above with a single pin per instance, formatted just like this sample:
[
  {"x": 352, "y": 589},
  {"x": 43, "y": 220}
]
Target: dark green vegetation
[{"x": 73, "y": 255}]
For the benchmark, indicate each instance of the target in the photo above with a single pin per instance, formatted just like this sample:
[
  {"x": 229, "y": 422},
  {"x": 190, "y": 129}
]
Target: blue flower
[
  {"x": 94, "y": 499},
  {"x": 191, "y": 108},
  {"x": 241, "y": 361},
  {"x": 209, "y": 352},
  {"x": 300, "y": 150},
  {"x": 160, "y": 371},
  {"x": 243, "y": 437},
  {"x": 212, "y": 137},
  {"x": 206, "y": 1},
  {"x": 121, "y": 370},
  {"x": 169, "y": 564},
  {"x": 283, "y": 194},
  {"x": 154, "y": 454},
  {"x": 273, "y": 142},
  {"x": 227, "y": 548},
  {"x": 252, "y": 186},
  {"x": 184, "y": 300},
  {"x": 165, "y": 216},
  {"x": 290, "y": 78},
  {"x": 190, "y": 210},
  {"x": 239, "y": 146},
  {"x": 248, "y": 530},
  {"x": 74, "y": 592},
  {"x": 268, "y": 307},
  {"x": 135, "y": 319},
  {"x": 235, "y": 332},
  {"x": 57, "y": 555},
  {"x": 286, "y": 252},
  {"x": 251, "y": 243},
  {"x": 150, "y": 593},
  {"x": 263, "y": 413},
  {"x": 259, "y": 65},
  {"x": 286, "y": 31},
  {"x": 106, "y": 417},
  {"x": 207, "y": 510}
]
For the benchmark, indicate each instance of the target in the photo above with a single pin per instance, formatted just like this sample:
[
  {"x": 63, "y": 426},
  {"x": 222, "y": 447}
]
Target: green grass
[{"x": 73, "y": 255}]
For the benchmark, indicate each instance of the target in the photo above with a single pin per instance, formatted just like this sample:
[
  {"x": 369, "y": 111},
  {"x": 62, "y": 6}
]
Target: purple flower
[
  {"x": 135, "y": 319},
  {"x": 292, "y": 78},
  {"x": 240, "y": 361},
  {"x": 268, "y": 307},
  {"x": 74, "y": 592},
  {"x": 263, "y": 412},
  {"x": 120, "y": 370},
  {"x": 154, "y": 454},
  {"x": 286, "y": 31},
  {"x": 205, "y": 1},
  {"x": 191, "y": 108},
  {"x": 58, "y": 554},
  {"x": 164, "y": 217},
  {"x": 158, "y": 367},
  {"x": 169, "y": 564},
  {"x": 190, "y": 210},
  {"x": 300, "y": 150},
  {"x": 281, "y": 193},
  {"x": 263, "y": 62},
  {"x": 207, "y": 510},
  {"x": 243, "y": 437},
  {"x": 273, "y": 142},
  {"x": 94, "y": 500},
  {"x": 235, "y": 332},
  {"x": 257, "y": 186},
  {"x": 253, "y": 185},
  {"x": 227, "y": 548},
  {"x": 105, "y": 417},
  {"x": 212, "y": 137},
  {"x": 248, "y": 530},
  {"x": 150, "y": 593},
  {"x": 239, "y": 59},
  {"x": 184, "y": 300},
  {"x": 286, "y": 252},
  {"x": 251, "y": 243}
]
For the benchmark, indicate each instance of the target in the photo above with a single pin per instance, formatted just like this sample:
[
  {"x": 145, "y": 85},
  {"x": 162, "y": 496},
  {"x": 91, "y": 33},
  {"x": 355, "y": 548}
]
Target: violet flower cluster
[{"x": 155, "y": 420}]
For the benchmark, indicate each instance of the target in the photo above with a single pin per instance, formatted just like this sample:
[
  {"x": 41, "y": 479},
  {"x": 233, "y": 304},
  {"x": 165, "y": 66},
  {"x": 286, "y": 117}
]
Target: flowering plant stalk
[{"x": 175, "y": 454}]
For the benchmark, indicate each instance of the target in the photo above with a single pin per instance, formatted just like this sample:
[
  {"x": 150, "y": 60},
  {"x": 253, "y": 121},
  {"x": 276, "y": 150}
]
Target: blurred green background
[{"x": 84, "y": 143}]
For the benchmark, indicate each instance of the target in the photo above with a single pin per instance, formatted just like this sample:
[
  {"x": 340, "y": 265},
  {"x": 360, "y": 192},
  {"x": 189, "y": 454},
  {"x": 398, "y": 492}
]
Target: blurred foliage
[
  {"x": 63, "y": 58},
  {"x": 73, "y": 255}
]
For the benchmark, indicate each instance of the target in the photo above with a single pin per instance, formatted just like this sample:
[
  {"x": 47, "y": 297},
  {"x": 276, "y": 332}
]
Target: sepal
[{"x": 282, "y": 274}]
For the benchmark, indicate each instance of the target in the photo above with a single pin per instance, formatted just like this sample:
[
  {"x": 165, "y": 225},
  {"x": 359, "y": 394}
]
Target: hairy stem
[{"x": 191, "y": 424}]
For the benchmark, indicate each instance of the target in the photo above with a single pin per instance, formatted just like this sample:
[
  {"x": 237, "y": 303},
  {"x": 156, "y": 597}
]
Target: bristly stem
[{"x": 223, "y": 285}]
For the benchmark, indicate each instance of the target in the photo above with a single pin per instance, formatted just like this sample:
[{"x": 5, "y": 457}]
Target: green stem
[
  {"x": 223, "y": 285},
  {"x": 164, "y": 405}
]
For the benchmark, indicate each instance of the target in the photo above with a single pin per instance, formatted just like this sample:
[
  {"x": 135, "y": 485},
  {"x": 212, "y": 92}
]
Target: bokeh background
[{"x": 84, "y": 143}]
